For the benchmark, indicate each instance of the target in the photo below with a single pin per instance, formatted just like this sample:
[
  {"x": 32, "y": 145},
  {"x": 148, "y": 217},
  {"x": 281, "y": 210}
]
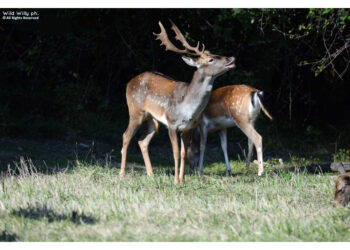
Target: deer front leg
[
  {"x": 144, "y": 142},
  {"x": 133, "y": 126},
  {"x": 185, "y": 141},
  {"x": 223, "y": 141},
  {"x": 175, "y": 146},
  {"x": 204, "y": 134}
]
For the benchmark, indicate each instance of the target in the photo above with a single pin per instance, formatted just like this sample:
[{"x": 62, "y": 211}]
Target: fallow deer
[
  {"x": 154, "y": 98},
  {"x": 342, "y": 190},
  {"x": 235, "y": 105}
]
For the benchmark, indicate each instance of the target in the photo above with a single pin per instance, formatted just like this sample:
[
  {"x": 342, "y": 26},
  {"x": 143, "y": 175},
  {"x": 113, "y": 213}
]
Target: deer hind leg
[
  {"x": 223, "y": 141},
  {"x": 175, "y": 146},
  {"x": 253, "y": 136},
  {"x": 185, "y": 142},
  {"x": 250, "y": 153},
  {"x": 203, "y": 141},
  {"x": 133, "y": 126},
  {"x": 144, "y": 141}
]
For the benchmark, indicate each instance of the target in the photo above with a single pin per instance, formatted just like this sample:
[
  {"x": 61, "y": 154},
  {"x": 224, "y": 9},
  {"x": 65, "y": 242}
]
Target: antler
[
  {"x": 163, "y": 37},
  {"x": 182, "y": 39}
]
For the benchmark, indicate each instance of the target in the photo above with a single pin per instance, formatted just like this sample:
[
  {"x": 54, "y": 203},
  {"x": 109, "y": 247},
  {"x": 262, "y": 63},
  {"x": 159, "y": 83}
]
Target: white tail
[
  {"x": 155, "y": 98},
  {"x": 235, "y": 105}
]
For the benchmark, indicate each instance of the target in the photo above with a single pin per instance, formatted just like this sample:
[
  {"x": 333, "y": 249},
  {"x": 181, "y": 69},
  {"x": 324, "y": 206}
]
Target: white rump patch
[{"x": 254, "y": 110}]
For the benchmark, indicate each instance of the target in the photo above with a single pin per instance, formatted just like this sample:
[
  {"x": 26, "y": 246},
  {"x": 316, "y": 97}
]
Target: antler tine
[
  {"x": 182, "y": 39},
  {"x": 203, "y": 49},
  {"x": 163, "y": 37}
]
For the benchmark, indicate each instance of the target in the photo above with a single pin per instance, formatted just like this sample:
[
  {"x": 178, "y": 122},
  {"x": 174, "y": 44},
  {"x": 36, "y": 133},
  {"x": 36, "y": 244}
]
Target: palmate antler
[{"x": 163, "y": 37}]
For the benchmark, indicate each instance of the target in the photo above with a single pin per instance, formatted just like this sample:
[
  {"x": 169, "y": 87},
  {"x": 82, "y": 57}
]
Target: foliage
[
  {"x": 343, "y": 155},
  {"x": 327, "y": 27},
  {"x": 66, "y": 74}
]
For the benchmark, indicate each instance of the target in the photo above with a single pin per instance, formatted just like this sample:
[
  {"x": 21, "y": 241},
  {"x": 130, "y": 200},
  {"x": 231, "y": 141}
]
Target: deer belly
[
  {"x": 156, "y": 109},
  {"x": 219, "y": 123}
]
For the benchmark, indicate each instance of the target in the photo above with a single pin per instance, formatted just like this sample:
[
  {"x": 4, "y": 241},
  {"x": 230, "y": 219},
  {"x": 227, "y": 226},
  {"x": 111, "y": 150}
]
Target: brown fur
[
  {"x": 221, "y": 101},
  {"x": 342, "y": 190},
  {"x": 229, "y": 102}
]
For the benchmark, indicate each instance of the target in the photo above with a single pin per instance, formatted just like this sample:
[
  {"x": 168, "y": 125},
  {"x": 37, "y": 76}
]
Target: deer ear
[{"x": 190, "y": 61}]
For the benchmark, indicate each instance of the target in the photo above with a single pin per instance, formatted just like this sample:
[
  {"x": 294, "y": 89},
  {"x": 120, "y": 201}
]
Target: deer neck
[
  {"x": 195, "y": 100},
  {"x": 201, "y": 84}
]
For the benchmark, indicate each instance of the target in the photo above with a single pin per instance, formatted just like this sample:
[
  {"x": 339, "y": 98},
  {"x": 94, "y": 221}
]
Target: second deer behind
[{"x": 235, "y": 105}]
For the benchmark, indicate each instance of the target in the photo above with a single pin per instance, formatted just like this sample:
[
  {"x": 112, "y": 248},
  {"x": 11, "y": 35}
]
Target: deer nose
[{"x": 230, "y": 62}]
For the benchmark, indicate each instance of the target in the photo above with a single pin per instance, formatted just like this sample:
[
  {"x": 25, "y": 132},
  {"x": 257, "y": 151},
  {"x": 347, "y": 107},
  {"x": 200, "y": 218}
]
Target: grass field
[{"x": 89, "y": 202}]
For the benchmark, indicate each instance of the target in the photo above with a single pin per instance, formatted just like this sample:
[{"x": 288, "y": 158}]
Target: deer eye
[{"x": 211, "y": 60}]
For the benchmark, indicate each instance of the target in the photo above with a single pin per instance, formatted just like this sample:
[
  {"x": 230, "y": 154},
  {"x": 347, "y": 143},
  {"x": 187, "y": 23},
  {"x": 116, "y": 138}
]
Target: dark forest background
[{"x": 64, "y": 76}]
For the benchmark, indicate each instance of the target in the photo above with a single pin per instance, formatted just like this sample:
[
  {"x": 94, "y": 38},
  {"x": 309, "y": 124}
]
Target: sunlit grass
[{"x": 91, "y": 203}]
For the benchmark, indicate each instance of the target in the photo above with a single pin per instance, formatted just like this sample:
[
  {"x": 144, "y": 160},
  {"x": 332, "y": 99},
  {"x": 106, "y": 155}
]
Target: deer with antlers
[
  {"x": 154, "y": 98},
  {"x": 235, "y": 105}
]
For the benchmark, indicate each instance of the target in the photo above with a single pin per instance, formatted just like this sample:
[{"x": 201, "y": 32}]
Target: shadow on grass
[
  {"x": 41, "y": 211},
  {"x": 52, "y": 159},
  {"x": 7, "y": 237},
  {"x": 55, "y": 157}
]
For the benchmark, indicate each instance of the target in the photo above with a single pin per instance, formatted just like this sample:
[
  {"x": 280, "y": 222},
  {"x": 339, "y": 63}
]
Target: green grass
[{"x": 91, "y": 203}]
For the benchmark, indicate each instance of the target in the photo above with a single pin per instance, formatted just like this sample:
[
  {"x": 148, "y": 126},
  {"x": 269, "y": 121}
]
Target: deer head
[{"x": 210, "y": 64}]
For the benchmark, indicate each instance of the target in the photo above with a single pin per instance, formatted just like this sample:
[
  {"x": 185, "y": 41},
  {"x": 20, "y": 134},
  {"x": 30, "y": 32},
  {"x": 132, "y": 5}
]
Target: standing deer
[
  {"x": 235, "y": 105},
  {"x": 155, "y": 98}
]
